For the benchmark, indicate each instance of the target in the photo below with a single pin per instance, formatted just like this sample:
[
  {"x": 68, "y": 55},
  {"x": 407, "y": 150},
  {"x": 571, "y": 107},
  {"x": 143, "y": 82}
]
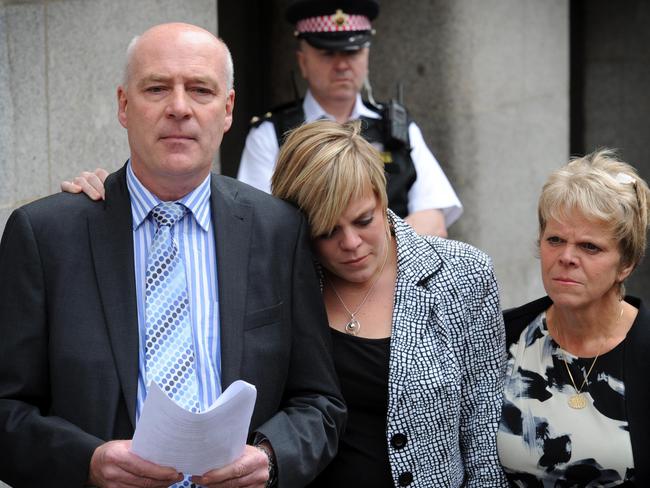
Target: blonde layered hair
[
  {"x": 324, "y": 165},
  {"x": 604, "y": 189}
]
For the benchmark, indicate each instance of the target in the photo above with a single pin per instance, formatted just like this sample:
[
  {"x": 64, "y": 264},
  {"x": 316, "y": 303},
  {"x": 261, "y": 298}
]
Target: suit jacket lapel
[
  {"x": 231, "y": 223},
  {"x": 111, "y": 240}
]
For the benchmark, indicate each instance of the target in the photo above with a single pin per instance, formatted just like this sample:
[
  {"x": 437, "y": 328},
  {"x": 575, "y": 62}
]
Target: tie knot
[{"x": 168, "y": 213}]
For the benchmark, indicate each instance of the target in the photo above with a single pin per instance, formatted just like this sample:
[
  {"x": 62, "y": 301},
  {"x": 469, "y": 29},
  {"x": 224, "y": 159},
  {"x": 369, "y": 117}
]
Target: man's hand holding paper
[
  {"x": 113, "y": 464},
  {"x": 251, "y": 469},
  {"x": 200, "y": 443}
]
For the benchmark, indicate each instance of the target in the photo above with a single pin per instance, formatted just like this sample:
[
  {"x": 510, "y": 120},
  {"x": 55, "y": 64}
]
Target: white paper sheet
[{"x": 194, "y": 443}]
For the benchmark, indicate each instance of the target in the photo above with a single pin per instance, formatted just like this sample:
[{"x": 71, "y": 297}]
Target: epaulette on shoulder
[
  {"x": 256, "y": 120},
  {"x": 280, "y": 109}
]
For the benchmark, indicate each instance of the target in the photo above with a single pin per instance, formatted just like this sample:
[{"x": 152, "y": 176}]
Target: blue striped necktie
[{"x": 169, "y": 347}]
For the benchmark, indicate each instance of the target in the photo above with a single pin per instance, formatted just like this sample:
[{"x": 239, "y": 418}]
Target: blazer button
[
  {"x": 398, "y": 441},
  {"x": 405, "y": 479}
]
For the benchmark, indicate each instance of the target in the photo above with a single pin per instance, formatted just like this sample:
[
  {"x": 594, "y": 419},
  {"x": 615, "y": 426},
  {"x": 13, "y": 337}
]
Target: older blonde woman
[
  {"x": 415, "y": 323},
  {"x": 577, "y": 397}
]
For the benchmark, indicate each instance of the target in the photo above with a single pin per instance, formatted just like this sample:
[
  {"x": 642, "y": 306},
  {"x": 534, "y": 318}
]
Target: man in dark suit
[{"x": 73, "y": 367}]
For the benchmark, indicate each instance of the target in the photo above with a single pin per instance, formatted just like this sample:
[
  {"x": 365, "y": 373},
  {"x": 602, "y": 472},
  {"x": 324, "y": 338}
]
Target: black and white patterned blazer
[{"x": 446, "y": 365}]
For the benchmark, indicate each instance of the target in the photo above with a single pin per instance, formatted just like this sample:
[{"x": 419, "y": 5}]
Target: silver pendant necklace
[{"x": 353, "y": 326}]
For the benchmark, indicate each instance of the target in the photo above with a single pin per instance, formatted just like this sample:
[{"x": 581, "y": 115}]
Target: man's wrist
[{"x": 265, "y": 446}]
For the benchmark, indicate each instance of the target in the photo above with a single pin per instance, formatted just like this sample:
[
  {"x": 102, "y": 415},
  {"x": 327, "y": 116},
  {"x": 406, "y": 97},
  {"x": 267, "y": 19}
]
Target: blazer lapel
[
  {"x": 417, "y": 306},
  {"x": 111, "y": 240},
  {"x": 231, "y": 223}
]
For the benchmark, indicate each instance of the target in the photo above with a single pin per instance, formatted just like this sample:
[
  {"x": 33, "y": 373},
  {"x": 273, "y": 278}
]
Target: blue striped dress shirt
[{"x": 195, "y": 241}]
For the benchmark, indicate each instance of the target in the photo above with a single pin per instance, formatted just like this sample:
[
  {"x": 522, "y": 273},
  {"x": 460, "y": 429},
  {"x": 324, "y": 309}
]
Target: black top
[{"x": 362, "y": 459}]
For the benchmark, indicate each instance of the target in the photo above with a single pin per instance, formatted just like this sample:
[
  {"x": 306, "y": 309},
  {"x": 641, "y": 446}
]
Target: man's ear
[
  {"x": 121, "y": 105},
  {"x": 300, "y": 58},
  {"x": 230, "y": 105}
]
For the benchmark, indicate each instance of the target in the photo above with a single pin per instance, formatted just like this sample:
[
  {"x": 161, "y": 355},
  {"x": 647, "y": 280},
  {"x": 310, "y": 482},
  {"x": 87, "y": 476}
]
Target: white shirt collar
[{"x": 313, "y": 110}]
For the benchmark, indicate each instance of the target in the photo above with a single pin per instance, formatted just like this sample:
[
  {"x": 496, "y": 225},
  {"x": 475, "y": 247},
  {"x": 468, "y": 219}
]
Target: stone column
[{"x": 488, "y": 83}]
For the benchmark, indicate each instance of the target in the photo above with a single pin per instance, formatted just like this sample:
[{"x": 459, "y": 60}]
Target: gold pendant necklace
[
  {"x": 578, "y": 400},
  {"x": 353, "y": 326}
]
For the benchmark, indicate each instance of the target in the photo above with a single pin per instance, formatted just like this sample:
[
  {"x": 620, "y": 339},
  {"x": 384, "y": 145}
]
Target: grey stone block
[
  {"x": 26, "y": 33},
  {"x": 7, "y": 173},
  {"x": 87, "y": 41}
]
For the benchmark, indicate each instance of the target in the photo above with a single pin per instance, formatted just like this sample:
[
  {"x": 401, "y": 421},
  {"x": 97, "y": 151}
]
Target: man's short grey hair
[
  {"x": 229, "y": 66},
  {"x": 127, "y": 65}
]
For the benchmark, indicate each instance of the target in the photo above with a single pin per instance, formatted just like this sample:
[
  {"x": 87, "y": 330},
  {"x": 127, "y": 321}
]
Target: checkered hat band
[{"x": 328, "y": 23}]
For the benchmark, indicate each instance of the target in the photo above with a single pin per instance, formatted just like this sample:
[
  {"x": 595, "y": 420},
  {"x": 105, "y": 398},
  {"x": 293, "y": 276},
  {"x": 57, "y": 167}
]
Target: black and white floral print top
[{"x": 542, "y": 441}]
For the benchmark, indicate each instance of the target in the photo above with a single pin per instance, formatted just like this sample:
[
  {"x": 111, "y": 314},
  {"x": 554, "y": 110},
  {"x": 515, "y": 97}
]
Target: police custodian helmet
[{"x": 334, "y": 25}]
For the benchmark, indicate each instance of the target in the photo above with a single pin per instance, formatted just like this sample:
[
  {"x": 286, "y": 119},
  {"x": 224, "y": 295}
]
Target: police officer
[{"x": 333, "y": 43}]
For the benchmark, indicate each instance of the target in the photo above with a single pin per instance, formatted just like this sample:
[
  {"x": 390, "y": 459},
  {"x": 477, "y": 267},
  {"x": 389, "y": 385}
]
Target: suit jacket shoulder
[
  {"x": 273, "y": 218},
  {"x": 60, "y": 209},
  {"x": 65, "y": 213},
  {"x": 241, "y": 193}
]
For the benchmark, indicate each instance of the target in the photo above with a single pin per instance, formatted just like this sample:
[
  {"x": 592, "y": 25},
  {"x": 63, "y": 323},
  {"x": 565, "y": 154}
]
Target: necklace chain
[
  {"x": 584, "y": 380},
  {"x": 353, "y": 326},
  {"x": 577, "y": 400}
]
